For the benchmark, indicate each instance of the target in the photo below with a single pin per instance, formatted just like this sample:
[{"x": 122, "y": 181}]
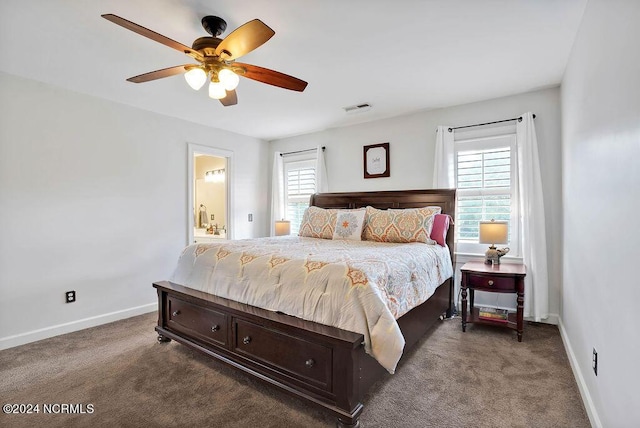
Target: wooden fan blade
[
  {"x": 152, "y": 35},
  {"x": 159, "y": 74},
  {"x": 230, "y": 100},
  {"x": 244, "y": 39},
  {"x": 272, "y": 77}
]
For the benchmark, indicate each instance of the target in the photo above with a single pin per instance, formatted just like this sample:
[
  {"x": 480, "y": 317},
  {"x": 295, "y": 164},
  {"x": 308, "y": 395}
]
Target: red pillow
[{"x": 440, "y": 228}]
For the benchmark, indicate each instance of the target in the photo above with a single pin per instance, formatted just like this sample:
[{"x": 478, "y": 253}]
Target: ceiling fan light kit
[
  {"x": 196, "y": 78},
  {"x": 217, "y": 91},
  {"x": 216, "y": 58},
  {"x": 229, "y": 79}
]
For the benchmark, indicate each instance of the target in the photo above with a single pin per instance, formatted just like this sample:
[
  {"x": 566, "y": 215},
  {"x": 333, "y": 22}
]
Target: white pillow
[{"x": 349, "y": 224}]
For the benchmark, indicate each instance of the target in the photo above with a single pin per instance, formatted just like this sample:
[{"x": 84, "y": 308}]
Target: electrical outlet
[
  {"x": 213, "y": 216},
  {"x": 594, "y": 361},
  {"x": 250, "y": 217},
  {"x": 70, "y": 296}
]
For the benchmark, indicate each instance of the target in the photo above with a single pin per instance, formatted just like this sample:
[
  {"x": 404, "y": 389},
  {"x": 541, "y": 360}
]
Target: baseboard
[
  {"x": 56, "y": 330},
  {"x": 577, "y": 373},
  {"x": 553, "y": 319}
]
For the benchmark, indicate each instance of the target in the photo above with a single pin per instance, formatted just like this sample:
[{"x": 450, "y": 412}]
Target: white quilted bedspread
[{"x": 360, "y": 286}]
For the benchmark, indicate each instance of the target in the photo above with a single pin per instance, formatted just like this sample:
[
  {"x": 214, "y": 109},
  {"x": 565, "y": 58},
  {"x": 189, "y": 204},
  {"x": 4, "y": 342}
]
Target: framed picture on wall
[{"x": 376, "y": 161}]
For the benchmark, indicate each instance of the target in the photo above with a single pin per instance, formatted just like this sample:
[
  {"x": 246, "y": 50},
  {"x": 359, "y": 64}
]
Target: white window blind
[
  {"x": 300, "y": 184},
  {"x": 485, "y": 181}
]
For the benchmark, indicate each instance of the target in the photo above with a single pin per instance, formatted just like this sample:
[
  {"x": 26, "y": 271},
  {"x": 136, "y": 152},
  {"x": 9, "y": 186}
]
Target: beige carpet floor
[{"x": 481, "y": 378}]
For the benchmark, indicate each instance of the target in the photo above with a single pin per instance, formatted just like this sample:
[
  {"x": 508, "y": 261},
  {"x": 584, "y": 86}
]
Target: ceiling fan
[{"x": 216, "y": 58}]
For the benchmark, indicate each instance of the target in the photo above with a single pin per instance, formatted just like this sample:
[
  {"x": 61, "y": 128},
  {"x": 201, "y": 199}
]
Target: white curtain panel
[
  {"x": 322, "y": 181},
  {"x": 277, "y": 191},
  {"x": 534, "y": 245},
  {"x": 443, "y": 167}
]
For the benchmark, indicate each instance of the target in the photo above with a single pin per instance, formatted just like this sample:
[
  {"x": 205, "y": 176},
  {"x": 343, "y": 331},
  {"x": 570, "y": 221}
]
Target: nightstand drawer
[{"x": 492, "y": 282}]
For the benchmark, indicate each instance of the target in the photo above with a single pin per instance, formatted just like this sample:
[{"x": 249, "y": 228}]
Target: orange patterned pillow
[
  {"x": 393, "y": 225},
  {"x": 318, "y": 223}
]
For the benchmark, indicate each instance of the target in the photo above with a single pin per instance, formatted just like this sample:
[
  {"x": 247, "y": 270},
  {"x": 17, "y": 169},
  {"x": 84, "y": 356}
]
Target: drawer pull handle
[
  {"x": 215, "y": 328},
  {"x": 246, "y": 340},
  {"x": 310, "y": 363},
  {"x": 176, "y": 313},
  {"x": 490, "y": 283}
]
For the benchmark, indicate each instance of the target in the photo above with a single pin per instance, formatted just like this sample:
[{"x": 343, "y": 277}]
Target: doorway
[{"x": 209, "y": 188}]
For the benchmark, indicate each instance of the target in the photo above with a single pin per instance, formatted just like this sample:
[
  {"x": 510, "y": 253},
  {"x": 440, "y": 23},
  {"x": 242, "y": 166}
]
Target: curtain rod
[
  {"x": 301, "y": 151},
  {"x": 519, "y": 119}
]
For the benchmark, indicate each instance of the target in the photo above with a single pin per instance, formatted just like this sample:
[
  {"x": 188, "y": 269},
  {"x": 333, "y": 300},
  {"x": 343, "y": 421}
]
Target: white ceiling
[{"x": 398, "y": 55}]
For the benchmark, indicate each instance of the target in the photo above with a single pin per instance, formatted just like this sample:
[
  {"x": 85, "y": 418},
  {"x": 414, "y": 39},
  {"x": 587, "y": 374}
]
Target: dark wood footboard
[
  {"x": 315, "y": 362},
  {"x": 323, "y": 365}
]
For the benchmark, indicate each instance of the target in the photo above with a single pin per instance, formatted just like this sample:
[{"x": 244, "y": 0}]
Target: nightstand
[{"x": 502, "y": 278}]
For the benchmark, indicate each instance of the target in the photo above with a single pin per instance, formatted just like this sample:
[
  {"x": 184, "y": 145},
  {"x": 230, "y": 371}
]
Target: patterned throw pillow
[
  {"x": 406, "y": 225},
  {"x": 349, "y": 224},
  {"x": 318, "y": 223}
]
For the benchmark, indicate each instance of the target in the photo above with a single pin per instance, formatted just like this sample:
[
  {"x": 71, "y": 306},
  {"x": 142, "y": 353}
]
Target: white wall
[
  {"x": 93, "y": 198},
  {"x": 601, "y": 187},
  {"x": 412, "y": 146}
]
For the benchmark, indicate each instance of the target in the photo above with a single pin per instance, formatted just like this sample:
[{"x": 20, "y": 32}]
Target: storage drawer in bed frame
[
  {"x": 306, "y": 362},
  {"x": 202, "y": 324}
]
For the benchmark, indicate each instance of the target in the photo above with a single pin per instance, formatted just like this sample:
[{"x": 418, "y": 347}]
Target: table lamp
[
  {"x": 283, "y": 227},
  {"x": 494, "y": 232}
]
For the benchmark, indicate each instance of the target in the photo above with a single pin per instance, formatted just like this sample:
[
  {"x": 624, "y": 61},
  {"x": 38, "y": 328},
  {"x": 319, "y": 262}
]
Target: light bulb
[
  {"x": 196, "y": 77},
  {"x": 229, "y": 79},
  {"x": 218, "y": 176},
  {"x": 217, "y": 91}
]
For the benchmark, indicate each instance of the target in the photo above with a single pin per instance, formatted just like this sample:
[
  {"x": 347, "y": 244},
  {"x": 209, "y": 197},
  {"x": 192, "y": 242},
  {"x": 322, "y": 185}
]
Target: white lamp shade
[
  {"x": 217, "y": 91},
  {"x": 229, "y": 79},
  {"x": 494, "y": 232},
  {"x": 196, "y": 77},
  {"x": 283, "y": 227}
]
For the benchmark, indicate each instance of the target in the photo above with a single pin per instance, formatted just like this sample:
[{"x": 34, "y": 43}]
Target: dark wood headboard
[{"x": 444, "y": 198}]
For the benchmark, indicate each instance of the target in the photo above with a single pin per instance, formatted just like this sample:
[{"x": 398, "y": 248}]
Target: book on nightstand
[{"x": 493, "y": 314}]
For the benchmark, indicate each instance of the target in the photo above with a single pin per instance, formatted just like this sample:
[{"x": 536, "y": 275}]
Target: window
[
  {"x": 486, "y": 188},
  {"x": 299, "y": 185}
]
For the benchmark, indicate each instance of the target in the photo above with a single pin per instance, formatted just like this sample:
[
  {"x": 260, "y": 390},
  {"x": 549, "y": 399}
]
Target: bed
[{"x": 323, "y": 364}]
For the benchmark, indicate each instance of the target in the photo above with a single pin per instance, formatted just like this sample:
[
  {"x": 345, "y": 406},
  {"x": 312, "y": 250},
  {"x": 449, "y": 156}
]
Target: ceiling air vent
[{"x": 360, "y": 108}]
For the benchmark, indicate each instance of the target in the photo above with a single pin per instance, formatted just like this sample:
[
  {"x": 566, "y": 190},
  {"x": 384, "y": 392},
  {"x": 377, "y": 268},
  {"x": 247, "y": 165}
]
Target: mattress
[{"x": 360, "y": 286}]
